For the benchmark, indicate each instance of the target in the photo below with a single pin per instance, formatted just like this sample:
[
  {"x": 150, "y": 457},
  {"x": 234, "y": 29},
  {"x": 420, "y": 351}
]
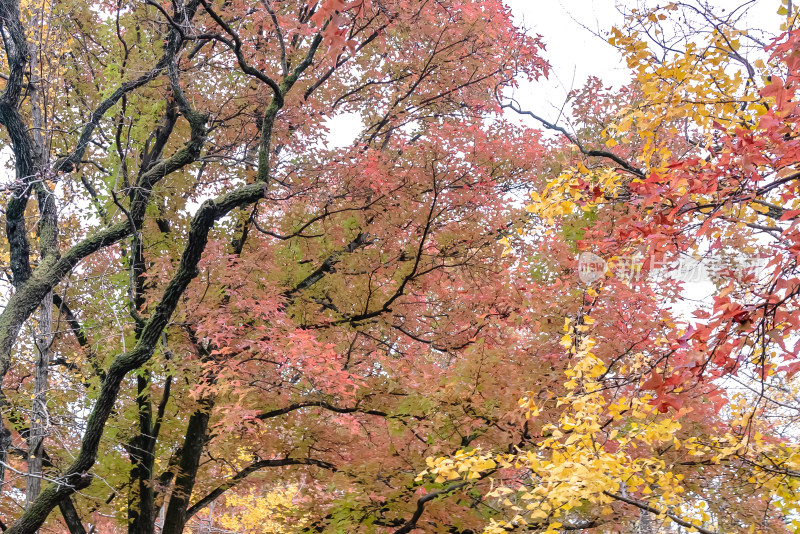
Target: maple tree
[{"x": 244, "y": 325}]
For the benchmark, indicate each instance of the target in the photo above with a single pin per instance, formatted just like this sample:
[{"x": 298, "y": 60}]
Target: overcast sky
[{"x": 573, "y": 49}]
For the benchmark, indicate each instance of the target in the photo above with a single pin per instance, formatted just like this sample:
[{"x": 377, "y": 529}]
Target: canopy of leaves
[{"x": 263, "y": 324}]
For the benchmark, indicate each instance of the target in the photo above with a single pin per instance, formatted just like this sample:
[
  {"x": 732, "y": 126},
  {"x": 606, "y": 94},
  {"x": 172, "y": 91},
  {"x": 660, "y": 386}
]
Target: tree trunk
[
  {"x": 44, "y": 336},
  {"x": 192, "y": 450},
  {"x": 39, "y": 416},
  {"x": 71, "y": 517}
]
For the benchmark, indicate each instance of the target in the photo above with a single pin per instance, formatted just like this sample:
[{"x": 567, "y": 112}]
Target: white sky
[{"x": 573, "y": 49}]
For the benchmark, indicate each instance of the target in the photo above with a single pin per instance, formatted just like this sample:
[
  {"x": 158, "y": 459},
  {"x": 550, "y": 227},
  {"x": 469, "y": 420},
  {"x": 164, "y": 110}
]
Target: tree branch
[
  {"x": 317, "y": 404},
  {"x": 574, "y": 140},
  {"x": 647, "y": 508},
  {"x": 411, "y": 524},
  {"x": 252, "y": 468}
]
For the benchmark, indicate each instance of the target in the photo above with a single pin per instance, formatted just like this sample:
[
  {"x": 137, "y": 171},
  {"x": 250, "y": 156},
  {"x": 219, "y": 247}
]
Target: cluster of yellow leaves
[
  {"x": 791, "y": 18},
  {"x": 601, "y": 448},
  {"x": 257, "y": 511},
  {"x": 563, "y": 195},
  {"x": 706, "y": 82},
  {"x": 465, "y": 464},
  {"x": 571, "y": 466},
  {"x": 693, "y": 92},
  {"x": 775, "y": 464},
  {"x": 50, "y": 37}
]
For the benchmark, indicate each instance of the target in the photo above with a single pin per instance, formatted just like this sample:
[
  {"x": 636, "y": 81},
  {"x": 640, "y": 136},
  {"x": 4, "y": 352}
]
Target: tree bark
[
  {"x": 39, "y": 415},
  {"x": 71, "y": 517},
  {"x": 192, "y": 450}
]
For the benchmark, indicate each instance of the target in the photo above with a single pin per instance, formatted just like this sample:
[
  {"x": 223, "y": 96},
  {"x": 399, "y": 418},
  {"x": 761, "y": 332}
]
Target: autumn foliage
[{"x": 224, "y": 311}]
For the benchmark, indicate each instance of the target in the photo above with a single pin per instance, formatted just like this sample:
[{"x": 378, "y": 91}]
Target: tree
[
  {"x": 679, "y": 410},
  {"x": 231, "y": 299},
  {"x": 254, "y": 329}
]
